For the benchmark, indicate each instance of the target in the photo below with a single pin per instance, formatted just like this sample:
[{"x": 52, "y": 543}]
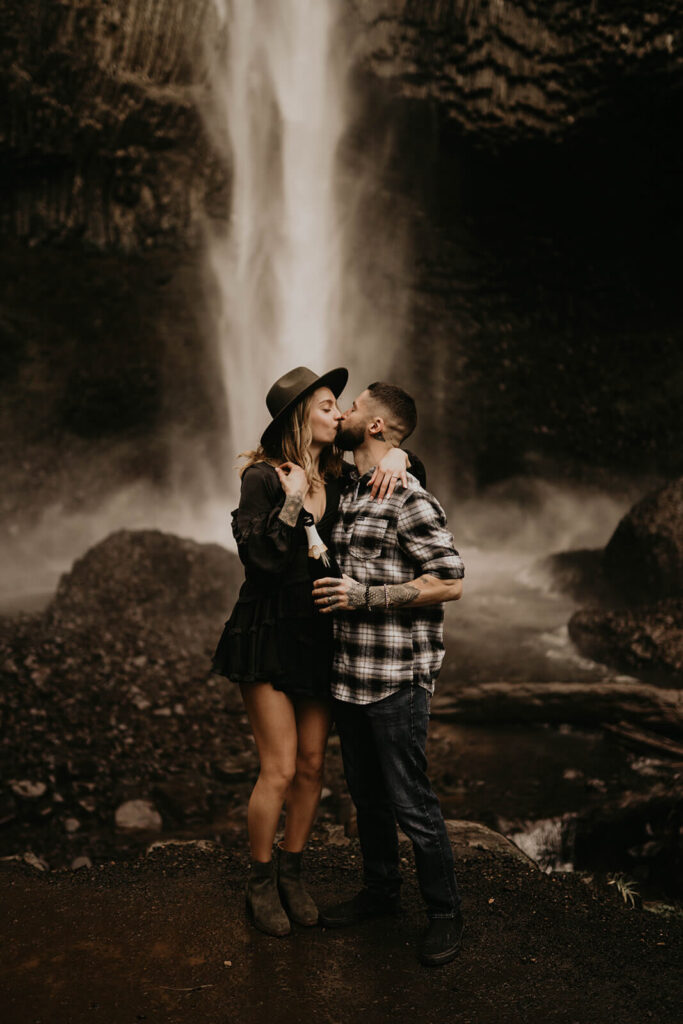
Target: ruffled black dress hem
[{"x": 274, "y": 633}]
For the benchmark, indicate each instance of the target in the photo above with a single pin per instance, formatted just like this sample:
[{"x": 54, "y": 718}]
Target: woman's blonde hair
[{"x": 294, "y": 444}]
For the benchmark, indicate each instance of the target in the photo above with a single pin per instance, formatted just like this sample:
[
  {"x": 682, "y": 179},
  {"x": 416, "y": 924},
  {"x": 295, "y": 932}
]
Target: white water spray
[
  {"x": 306, "y": 266},
  {"x": 277, "y": 114}
]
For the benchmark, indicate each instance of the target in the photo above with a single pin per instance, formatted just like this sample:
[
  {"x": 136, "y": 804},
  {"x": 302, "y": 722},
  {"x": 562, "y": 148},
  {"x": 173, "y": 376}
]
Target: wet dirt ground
[{"x": 165, "y": 939}]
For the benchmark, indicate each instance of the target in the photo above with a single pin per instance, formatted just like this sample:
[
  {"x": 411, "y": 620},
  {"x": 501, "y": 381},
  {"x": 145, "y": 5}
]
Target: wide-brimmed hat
[{"x": 289, "y": 389}]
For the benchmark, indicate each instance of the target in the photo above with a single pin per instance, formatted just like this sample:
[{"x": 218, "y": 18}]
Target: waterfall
[{"x": 278, "y": 71}]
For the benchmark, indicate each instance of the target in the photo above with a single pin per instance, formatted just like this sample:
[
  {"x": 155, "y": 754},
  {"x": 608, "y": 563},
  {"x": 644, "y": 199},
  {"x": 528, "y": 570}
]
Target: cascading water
[
  {"x": 277, "y": 114},
  {"x": 308, "y": 263}
]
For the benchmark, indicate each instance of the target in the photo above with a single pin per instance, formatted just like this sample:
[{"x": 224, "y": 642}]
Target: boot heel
[
  {"x": 298, "y": 903},
  {"x": 262, "y": 900}
]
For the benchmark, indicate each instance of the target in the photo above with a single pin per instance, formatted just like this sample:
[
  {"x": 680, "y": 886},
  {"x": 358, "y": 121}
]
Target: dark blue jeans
[{"x": 383, "y": 747}]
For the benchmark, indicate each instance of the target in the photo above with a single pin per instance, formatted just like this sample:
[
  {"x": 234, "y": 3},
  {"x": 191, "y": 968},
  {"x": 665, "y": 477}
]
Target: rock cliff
[
  {"x": 508, "y": 70},
  {"x": 524, "y": 152},
  {"x": 99, "y": 133},
  {"x": 102, "y": 143}
]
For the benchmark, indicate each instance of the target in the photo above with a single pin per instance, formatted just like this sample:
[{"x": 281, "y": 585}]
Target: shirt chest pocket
[{"x": 367, "y": 537}]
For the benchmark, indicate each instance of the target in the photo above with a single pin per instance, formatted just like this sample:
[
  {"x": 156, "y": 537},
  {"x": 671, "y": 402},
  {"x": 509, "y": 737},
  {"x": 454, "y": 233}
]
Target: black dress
[{"x": 274, "y": 633}]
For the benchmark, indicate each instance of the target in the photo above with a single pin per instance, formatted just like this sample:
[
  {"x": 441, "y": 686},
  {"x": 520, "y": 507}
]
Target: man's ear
[{"x": 376, "y": 427}]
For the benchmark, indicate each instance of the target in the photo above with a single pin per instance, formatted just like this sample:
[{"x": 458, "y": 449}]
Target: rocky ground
[
  {"x": 114, "y": 732},
  {"x": 107, "y": 698},
  {"x": 113, "y": 727},
  {"x": 165, "y": 939},
  {"x": 115, "y": 737}
]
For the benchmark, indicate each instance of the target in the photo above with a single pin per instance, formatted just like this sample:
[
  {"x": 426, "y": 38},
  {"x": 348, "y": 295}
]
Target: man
[{"x": 399, "y": 566}]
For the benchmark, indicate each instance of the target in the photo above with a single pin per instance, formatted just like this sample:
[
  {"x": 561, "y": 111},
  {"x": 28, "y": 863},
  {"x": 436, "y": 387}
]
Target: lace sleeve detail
[{"x": 264, "y": 542}]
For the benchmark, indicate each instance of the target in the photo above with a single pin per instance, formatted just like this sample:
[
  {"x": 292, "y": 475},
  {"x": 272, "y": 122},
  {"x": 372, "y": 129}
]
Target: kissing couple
[{"x": 359, "y": 644}]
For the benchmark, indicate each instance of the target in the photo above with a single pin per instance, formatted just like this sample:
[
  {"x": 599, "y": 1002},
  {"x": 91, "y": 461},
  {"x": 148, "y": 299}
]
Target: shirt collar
[{"x": 356, "y": 478}]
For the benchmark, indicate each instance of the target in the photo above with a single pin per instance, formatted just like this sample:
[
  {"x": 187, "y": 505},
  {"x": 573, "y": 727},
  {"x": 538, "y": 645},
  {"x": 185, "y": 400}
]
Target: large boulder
[
  {"x": 108, "y": 700},
  {"x": 645, "y": 640},
  {"x": 645, "y": 555},
  {"x": 146, "y": 577},
  {"x": 581, "y": 575},
  {"x": 638, "y": 583}
]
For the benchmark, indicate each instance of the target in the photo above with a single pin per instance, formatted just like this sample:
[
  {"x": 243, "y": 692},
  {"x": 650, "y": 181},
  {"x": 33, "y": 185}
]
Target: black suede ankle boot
[
  {"x": 296, "y": 901},
  {"x": 263, "y": 901}
]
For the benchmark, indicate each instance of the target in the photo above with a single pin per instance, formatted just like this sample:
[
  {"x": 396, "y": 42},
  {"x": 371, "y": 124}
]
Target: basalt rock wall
[
  {"x": 507, "y": 70},
  {"x": 99, "y": 133},
  {"x": 101, "y": 140},
  {"x": 542, "y": 158}
]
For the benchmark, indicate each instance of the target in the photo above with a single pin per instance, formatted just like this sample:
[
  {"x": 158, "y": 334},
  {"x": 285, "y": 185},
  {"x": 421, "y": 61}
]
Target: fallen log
[
  {"x": 582, "y": 703},
  {"x": 641, "y": 739}
]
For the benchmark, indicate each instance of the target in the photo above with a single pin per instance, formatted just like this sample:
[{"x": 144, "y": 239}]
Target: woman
[{"x": 275, "y": 645}]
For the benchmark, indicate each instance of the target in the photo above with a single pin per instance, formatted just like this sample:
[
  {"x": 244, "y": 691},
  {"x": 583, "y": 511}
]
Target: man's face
[{"x": 354, "y": 422}]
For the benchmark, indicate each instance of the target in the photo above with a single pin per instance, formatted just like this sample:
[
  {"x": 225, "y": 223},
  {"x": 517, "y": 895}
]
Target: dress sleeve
[
  {"x": 417, "y": 468},
  {"x": 264, "y": 542}
]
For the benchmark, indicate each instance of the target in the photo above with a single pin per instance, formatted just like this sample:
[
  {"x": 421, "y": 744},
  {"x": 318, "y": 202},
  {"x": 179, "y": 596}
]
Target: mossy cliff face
[
  {"x": 540, "y": 151},
  {"x": 101, "y": 139},
  {"x": 507, "y": 71},
  {"x": 106, "y": 372},
  {"x": 527, "y": 147},
  {"x": 100, "y": 134}
]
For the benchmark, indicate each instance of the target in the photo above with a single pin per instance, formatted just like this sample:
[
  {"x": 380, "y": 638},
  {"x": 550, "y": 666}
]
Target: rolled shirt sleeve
[{"x": 424, "y": 537}]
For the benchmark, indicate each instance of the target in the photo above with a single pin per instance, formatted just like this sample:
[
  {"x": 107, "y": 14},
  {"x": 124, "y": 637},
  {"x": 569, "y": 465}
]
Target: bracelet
[
  {"x": 367, "y": 596},
  {"x": 386, "y": 596}
]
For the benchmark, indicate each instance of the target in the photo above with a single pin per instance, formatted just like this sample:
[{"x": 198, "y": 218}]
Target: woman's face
[{"x": 323, "y": 417}]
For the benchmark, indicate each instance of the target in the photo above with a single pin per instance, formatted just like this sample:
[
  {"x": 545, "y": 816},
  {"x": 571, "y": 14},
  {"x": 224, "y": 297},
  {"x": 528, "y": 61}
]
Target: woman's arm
[
  {"x": 295, "y": 485},
  {"x": 265, "y": 540},
  {"x": 390, "y": 471}
]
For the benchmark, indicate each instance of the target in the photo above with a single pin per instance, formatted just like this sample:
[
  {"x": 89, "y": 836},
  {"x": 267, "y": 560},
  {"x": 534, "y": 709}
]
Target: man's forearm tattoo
[
  {"x": 356, "y": 595},
  {"x": 397, "y": 594},
  {"x": 291, "y": 508}
]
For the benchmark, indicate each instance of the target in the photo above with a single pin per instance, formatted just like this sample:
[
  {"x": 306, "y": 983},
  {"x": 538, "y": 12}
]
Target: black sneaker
[
  {"x": 360, "y": 907},
  {"x": 441, "y": 942}
]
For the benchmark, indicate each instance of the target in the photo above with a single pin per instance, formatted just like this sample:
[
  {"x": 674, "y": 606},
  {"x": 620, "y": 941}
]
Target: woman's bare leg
[
  {"x": 274, "y": 725},
  {"x": 313, "y": 721}
]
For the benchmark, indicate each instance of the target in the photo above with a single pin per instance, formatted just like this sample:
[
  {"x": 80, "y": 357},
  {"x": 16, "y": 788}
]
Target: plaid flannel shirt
[{"x": 378, "y": 652}]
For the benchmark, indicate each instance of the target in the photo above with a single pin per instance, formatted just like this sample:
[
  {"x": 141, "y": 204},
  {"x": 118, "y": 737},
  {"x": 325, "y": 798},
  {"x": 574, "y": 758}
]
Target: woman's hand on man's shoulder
[{"x": 292, "y": 479}]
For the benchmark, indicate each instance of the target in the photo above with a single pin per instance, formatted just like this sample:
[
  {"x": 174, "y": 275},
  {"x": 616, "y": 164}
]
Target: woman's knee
[
  {"x": 277, "y": 775},
  {"x": 309, "y": 767}
]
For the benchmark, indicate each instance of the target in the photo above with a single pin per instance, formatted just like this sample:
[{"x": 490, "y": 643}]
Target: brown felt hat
[{"x": 289, "y": 389}]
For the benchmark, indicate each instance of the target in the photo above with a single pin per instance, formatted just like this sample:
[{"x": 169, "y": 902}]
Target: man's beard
[{"x": 350, "y": 438}]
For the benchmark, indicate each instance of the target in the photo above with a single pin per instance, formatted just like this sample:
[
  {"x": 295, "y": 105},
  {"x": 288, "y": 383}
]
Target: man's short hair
[{"x": 401, "y": 418}]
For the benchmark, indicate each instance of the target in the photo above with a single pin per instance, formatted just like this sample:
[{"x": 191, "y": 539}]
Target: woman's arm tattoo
[{"x": 291, "y": 508}]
